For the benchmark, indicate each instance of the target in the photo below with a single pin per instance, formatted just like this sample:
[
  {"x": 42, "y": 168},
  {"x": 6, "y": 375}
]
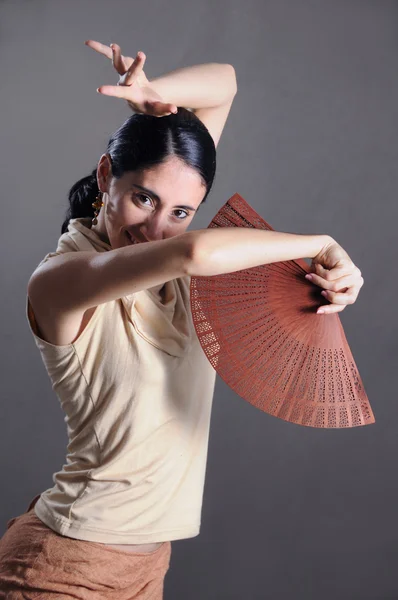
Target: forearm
[
  {"x": 216, "y": 251},
  {"x": 198, "y": 86}
]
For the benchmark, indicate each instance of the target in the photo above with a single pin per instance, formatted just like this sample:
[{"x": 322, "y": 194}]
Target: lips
[{"x": 132, "y": 239}]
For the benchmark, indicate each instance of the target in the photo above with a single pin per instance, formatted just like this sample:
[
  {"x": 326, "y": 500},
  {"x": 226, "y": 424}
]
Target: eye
[
  {"x": 182, "y": 211},
  {"x": 186, "y": 214},
  {"x": 143, "y": 196}
]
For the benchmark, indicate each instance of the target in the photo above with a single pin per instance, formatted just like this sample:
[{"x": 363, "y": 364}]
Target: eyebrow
[{"x": 151, "y": 193}]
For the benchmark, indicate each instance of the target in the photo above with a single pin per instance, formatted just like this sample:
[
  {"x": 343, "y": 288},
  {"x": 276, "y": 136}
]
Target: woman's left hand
[
  {"x": 333, "y": 270},
  {"x": 133, "y": 85}
]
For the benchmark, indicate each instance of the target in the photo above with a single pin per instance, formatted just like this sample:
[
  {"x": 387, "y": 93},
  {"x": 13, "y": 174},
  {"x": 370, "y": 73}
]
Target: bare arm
[
  {"x": 209, "y": 89},
  {"x": 76, "y": 281},
  {"x": 197, "y": 86},
  {"x": 228, "y": 249}
]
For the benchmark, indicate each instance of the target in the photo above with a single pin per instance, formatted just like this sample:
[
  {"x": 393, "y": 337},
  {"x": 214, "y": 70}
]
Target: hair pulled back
[{"x": 143, "y": 141}]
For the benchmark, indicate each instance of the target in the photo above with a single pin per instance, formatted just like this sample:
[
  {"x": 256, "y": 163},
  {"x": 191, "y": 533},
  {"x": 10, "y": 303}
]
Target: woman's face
[{"x": 153, "y": 213}]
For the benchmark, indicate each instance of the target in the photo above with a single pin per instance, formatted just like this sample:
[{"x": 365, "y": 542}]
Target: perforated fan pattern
[{"x": 259, "y": 329}]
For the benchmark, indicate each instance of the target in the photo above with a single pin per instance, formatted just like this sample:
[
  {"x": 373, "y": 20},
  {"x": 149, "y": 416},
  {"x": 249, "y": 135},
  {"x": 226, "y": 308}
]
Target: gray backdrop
[{"x": 289, "y": 512}]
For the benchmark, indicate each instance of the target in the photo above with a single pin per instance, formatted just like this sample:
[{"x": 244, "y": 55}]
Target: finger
[
  {"x": 337, "y": 285},
  {"x": 332, "y": 274},
  {"x": 113, "y": 90},
  {"x": 117, "y": 59},
  {"x": 347, "y": 297},
  {"x": 330, "y": 309},
  {"x": 98, "y": 47},
  {"x": 135, "y": 68}
]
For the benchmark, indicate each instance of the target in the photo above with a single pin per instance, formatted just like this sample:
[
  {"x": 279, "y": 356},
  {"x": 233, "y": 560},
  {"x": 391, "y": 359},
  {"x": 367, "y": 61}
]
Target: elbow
[
  {"x": 193, "y": 252},
  {"x": 232, "y": 76},
  {"x": 197, "y": 253}
]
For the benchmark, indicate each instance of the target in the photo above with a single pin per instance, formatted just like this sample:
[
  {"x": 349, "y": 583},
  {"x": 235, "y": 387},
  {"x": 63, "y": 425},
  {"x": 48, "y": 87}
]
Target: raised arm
[{"x": 206, "y": 89}]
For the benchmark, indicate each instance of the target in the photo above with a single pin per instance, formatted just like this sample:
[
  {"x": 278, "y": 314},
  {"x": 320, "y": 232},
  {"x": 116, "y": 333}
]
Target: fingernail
[
  {"x": 324, "y": 293},
  {"x": 308, "y": 276},
  {"x": 320, "y": 312}
]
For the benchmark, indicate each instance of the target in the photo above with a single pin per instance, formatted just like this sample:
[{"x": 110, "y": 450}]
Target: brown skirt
[{"x": 36, "y": 563}]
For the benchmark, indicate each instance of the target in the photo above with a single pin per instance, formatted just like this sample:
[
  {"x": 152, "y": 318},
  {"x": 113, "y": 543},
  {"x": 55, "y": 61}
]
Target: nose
[{"x": 153, "y": 228}]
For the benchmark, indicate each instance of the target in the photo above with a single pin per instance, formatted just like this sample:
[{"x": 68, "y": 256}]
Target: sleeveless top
[{"x": 136, "y": 389}]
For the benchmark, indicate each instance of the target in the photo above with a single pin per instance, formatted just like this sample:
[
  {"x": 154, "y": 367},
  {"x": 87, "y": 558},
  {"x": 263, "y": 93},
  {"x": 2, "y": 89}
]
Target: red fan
[{"x": 259, "y": 329}]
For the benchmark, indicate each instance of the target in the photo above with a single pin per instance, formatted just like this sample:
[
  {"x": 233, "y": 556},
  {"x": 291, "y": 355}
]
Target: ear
[{"x": 104, "y": 172}]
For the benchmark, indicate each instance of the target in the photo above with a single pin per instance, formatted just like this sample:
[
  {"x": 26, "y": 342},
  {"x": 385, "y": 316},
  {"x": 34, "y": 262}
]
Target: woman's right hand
[{"x": 133, "y": 85}]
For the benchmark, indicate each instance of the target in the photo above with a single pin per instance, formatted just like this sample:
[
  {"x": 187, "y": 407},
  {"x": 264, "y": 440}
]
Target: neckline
[{"x": 83, "y": 224}]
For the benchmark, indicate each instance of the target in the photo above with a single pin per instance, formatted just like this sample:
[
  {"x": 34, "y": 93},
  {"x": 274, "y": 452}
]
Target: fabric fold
[{"x": 164, "y": 322}]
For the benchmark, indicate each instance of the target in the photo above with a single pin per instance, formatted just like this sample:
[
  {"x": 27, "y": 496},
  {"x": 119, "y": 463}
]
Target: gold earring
[{"x": 97, "y": 206}]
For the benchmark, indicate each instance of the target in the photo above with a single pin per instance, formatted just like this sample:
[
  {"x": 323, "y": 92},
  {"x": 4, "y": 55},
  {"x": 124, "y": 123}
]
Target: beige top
[{"x": 136, "y": 389}]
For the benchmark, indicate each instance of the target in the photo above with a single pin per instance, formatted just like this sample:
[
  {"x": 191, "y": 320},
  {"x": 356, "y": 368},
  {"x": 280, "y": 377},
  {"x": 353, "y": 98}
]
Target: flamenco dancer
[{"x": 109, "y": 310}]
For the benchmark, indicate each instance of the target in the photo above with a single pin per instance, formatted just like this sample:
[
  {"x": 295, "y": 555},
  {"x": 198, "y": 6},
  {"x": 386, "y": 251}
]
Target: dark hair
[{"x": 143, "y": 141}]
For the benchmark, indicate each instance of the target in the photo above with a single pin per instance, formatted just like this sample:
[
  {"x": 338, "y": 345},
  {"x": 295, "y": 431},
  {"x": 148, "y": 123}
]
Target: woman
[{"x": 110, "y": 315}]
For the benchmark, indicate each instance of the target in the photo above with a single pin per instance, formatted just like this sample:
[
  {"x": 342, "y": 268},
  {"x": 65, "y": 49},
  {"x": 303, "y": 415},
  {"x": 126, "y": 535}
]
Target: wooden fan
[{"x": 259, "y": 329}]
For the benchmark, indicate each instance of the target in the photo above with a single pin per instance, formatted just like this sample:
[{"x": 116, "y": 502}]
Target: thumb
[
  {"x": 159, "y": 108},
  {"x": 318, "y": 268}
]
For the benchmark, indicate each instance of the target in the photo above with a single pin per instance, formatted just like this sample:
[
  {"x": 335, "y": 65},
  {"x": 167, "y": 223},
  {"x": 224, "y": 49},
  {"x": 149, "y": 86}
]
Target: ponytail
[{"x": 81, "y": 196}]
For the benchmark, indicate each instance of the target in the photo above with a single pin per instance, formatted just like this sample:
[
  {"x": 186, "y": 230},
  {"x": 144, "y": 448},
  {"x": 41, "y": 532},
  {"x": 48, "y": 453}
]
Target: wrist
[{"x": 323, "y": 241}]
